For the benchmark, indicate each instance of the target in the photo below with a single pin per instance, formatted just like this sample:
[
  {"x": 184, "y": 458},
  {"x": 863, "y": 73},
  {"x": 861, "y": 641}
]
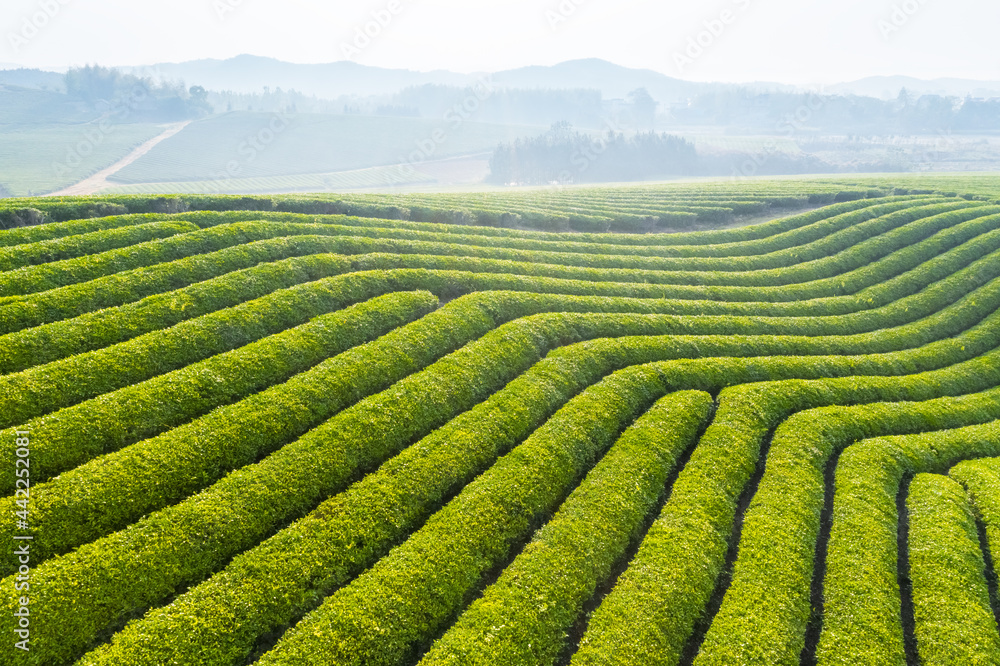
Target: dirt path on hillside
[{"x": 99, "y": 180}]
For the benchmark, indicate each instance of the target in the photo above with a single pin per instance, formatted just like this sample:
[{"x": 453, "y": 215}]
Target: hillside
[
  {"x": 617, "y": 425},
  {"x": 259, "y": 145}
]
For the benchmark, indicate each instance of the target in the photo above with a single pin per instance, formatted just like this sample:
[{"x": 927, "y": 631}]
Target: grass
[
  {"x": 37, "y": 159},
  {"x": 373, "y": 177},
  {"x": 307, "y": 144}
]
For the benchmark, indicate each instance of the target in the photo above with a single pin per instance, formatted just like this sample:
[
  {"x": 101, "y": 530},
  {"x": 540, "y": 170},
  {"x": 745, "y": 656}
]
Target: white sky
[{"x": 789, "y": 41}]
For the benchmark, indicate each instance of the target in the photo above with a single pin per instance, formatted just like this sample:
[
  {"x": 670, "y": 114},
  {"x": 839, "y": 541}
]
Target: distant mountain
[
  {"x": 247, "y": 74},
  {"x": 33, "y": 106},
  {"x": 888, "y": 87},
  {"x": 32, "y": 78},
  {"x": 614, "y": 81},
  {"x": 250, "y": 74}
]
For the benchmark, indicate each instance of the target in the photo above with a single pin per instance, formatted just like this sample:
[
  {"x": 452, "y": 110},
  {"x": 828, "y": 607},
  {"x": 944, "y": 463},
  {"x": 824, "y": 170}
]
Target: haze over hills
[
  {"x": 614, "y": 81},
  {"x": 32, "y": 78},
  {"x": 250, "y": 74},
  {"x": 256, "y": 124},
  {"x": 888, "y": 87},
  {"x": 247, "y": 73}
]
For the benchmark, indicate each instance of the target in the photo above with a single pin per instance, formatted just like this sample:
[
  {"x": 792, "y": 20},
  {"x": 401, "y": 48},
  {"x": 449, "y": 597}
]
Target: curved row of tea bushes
[
  {"x": 759, "y": 239},
  {"x": 263, "y": 485},
  {"x": 861, "y": 597},
  {"x": 70, "y": 247},
  {"x": 54, "y": 230},
  {"x": 94, "y": 331},
  {"x": 624, "y": 213},
  {"x": 952, "y": 230},
  {"x": 39, "y": 345},
  {"x": 33, "y": 279},
  {"x": 272, "y": 585},
  {"x": 547, "y": 211},
  {"x": 88, "y": 332},
  {"x": 981, "y": 479},
  {"x": 865, "y": 224},
  {"x": 541, "y": 211},
  {"x": 448, "y": 249},
  {"x": 843, "y": 231},
  {"x": 46, "y": 388},
  {"x": 523, "y": 617},
  {"x": 276, "y": 582},
  {"x": 247, "y": 505},
  {"x": 910, "y": 268},
  {"x": 813, "y": 366},
  {"x": 685, "y": 550},
  {"x": 766, "y": 610},
  {"x": 412, "y": 593},
  {"x": 129, "y": 286},
  {"x": 59, "y": 340},
  {"x": 786, "y": 225},
  {"x": 44, "y": 385},
  {"x": 64, "y": 209},
  {"x": 73, "y": 436},
  {"x": 112, "y": 491},
  {"x": 786, "y": 232},
  {"x": 590, "y": 254},
  {"x": 775, "y": 269},
  {"x": 949, "y": 322},
  {"x": 954, "y": 622}
]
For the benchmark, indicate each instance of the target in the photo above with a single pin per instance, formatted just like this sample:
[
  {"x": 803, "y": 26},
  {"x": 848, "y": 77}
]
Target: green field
[
  {"x": 983, "y": 185},
  {"x": 48, "y": 141},
  {"x": 754, "y": 145},
  {"x": 23, "y": 106},
  {"x": 510, "y": 427},
  {"x": 374, "y": 177},
  {"x": 35, "y": 159},
  {"x": 261, "y": 145}
]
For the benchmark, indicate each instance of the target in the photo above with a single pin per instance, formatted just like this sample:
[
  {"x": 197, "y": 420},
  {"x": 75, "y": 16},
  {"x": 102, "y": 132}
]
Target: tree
[
  {"x": 93, "y": 83},
  {"x": 903, "y": 99},
  {"x": 643, "y": 108},
  {"x": 199, "y": 100}
]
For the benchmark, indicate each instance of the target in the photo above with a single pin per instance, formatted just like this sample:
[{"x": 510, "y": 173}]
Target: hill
[{"x": 382, "y": 429}]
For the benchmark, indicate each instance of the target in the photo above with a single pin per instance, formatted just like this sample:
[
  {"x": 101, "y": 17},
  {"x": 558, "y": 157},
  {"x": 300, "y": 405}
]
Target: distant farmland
[
  {"x": 40, "y": 159},
  {"x": 266, "y": 145}
]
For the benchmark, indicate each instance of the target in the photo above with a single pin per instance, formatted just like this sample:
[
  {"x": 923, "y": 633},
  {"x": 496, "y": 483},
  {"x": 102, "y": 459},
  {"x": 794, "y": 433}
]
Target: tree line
[
  {"x": 130, "y": 98},
  {"x": 565, "y": 156}
]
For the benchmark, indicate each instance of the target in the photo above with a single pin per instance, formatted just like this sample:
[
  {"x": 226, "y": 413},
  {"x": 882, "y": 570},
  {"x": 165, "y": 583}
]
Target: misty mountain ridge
[
  {"x": 251, "y": 74},
  {"x": 35, "y": 79},
  {"x": 888, "y": 87},
  {"x": 247, "y": 73}
]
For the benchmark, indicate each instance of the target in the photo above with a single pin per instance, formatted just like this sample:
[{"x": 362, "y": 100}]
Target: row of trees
[
  {"x": 563, "y": 155},
  {"x": 844, "y": 114},
  {"x": 131, "y": 98}
]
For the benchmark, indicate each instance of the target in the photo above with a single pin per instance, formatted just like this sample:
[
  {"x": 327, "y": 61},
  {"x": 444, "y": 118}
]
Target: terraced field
[{"x": 257, "y": 432}]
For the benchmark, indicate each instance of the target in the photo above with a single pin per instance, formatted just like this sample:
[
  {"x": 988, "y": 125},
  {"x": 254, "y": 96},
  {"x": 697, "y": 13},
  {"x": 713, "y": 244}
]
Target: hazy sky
[{"x": 793, "y": 41}]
